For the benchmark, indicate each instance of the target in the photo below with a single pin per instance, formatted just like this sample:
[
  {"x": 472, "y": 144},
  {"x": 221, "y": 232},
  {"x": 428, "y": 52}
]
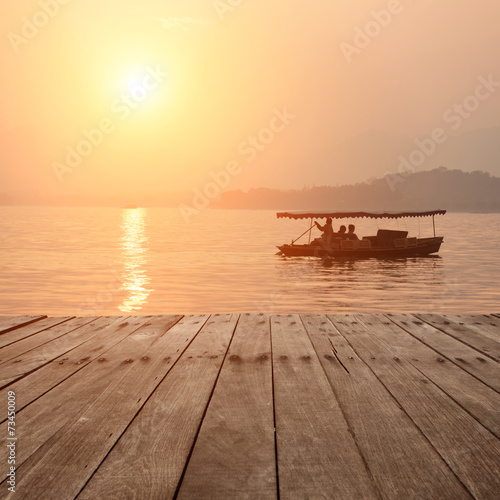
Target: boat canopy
[{"x": 356, "y": 215}]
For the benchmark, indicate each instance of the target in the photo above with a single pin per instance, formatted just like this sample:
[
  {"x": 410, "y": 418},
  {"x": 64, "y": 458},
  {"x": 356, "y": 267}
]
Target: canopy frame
[{"x": 357, "y": 215}]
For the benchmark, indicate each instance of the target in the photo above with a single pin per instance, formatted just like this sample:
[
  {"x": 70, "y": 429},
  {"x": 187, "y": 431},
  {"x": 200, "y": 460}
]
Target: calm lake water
[{"x": 95, "y": 261}]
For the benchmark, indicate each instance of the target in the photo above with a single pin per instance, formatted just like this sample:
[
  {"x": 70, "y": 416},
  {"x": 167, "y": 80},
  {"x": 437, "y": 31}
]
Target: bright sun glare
[
  {"x": 145, "y": 85},
  {"x": 146, "y": 79},
  {"x": 133, "y": 83}
]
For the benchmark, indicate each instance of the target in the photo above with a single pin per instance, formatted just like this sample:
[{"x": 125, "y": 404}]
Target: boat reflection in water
[
  {"x": 341, "y": 285},
  {"x": 134, "y": 252}
]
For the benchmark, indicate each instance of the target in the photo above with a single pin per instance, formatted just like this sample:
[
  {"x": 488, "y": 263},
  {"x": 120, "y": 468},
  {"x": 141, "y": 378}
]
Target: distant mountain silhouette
[
  {"x": 439, "y": 188},
  {"x": 453, "y": 190}
]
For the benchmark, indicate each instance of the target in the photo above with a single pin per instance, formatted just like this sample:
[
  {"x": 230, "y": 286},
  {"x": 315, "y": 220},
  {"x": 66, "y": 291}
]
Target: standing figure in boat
[{"x": 327, "y": 229}]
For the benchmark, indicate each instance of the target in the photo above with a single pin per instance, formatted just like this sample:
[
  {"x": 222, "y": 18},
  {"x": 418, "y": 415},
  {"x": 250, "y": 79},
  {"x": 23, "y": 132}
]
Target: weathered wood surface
[
  {"x": 253, "y": 406},
  {"x": 8, "y": 323},
  {"x": 35, "y": 384},
  {"x": 448, "y": 427},
  {"x": 474, "y": 362},
  {"x": 153, "y": 452},
  {"x": 474, "y": 396},
  {"x": 234, "y": 454},
  {"x": 16, "y": 334},
  {"x": 78, "y": 447},
  {"x": 392, "y": 445},
  {"x": 486, "y": 324},
  {"x": 317, "y": 455},
  {"x": 53, "y": 342},
  {"x": 465, "y": 334}
]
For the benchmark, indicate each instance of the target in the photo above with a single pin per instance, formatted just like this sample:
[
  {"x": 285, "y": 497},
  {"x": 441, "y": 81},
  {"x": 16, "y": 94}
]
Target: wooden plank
[
  {"x": 401, "y": 461},
  {"x": 149, "y": 458},
  {"x": 31, "y": 329},
  {"x": 317, "y": 455},
  {"x": 108, "y": 331},
  {"x": 234, "y": 454},
  {"x": 485, "y": 324},
  {"x": 470, "y": 393},
  {"x": 8, "y": 323},
  {"x": 66, "y": 337},
  {"x": 4, "y": 318},
  {"x": 45, "y": 416},
  {"x": 470, "y": 450},
  {"x": 481, "y": 367},
  {"x": 63, "y": 465},
  {"x": 25, "y": 345},
  {"x": 483, "y": 344}
]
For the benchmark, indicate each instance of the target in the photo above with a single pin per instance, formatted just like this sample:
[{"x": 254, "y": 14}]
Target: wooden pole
[
  {"x": 433, "y": 226},
  {"x": 308, "y": 229}
]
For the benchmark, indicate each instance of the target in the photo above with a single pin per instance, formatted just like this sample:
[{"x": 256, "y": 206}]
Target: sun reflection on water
[{"x": 134, "y": 252}]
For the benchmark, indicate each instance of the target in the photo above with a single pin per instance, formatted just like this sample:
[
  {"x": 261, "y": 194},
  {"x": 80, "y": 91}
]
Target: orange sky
[{"x": 179, "y": 88}]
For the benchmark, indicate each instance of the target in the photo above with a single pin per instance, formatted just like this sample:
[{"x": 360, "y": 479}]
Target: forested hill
[{"x": 453, "y": 190}]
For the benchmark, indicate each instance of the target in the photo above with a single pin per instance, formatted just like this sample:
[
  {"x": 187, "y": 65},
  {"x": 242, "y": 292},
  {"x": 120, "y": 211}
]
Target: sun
[
  {"x": 143, "y": 91},
  {"x": 147, "y": 80},
  {"x": 133, "y": 83}
]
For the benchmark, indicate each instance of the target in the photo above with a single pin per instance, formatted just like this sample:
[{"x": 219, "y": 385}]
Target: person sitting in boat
[
  {"x": 351, "y": 235},
  {"x": 327, "y": 229},
  {"x": 341, "y": 234}
]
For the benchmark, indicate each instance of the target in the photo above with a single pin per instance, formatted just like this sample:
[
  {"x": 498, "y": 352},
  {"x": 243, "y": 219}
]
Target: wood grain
[
  {"x": 8, "y": 323},
  {"x": 27, "y": 344},
  {"x": 474, "y": 396},
  {"x": 467, "y": 335},
  {"x": 68, "y": 459},
  {"x": 247, "y": 406},
  {"x": 149, "y": 459},
  {"x": 317, "y": 455},
  {"x": 449, "y": 428},
  {"x": 401, "y": 460},
  {"x": 105, "y": 332},
  {"x": 485, "y": 324},
  {"x": 234, "y": 454},
  {"x": 467, "y": 358},
  {"x": 47, "y": 415},
  {"x": 63, "y": 338},
  {"x": 31, "y": 329}
]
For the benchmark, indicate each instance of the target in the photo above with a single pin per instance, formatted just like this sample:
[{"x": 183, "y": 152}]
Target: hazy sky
[{"x": 256, "y": 88}]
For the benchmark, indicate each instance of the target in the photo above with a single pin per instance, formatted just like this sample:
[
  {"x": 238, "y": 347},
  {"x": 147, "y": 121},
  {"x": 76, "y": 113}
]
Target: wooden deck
[{"x": 252, "y": 406}]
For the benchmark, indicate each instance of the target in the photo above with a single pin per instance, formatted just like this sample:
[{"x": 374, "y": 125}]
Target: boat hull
[{"x": 424, "y": 246}]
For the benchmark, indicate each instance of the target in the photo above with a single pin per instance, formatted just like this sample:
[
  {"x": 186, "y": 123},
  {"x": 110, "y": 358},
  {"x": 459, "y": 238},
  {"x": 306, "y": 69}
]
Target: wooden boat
[{"x": 386, "y": 244}]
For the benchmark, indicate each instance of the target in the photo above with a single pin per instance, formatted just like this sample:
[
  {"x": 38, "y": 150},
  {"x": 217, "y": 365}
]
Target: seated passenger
[
  {"x": 341, "y": 234},
  {"x": 351, "y": 235}
]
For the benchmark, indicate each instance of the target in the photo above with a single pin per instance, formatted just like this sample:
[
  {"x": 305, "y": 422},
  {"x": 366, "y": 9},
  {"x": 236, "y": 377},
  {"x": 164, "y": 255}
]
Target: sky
[{"x": 147, "y": 96}]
